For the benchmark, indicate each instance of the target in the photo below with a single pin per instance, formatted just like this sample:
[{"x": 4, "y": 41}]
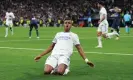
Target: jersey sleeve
[
  {"x": 6, "y": 15},
  {"x": 103, "y": 12},
  {"x": 13, "y": 15},
  {"x": 55, "y": 38},
  {"x": 76, "y": 39}
]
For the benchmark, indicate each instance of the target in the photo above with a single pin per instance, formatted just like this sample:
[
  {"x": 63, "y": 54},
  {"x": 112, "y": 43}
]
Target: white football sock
[
  {"x": 6, "y": 32},
  {"x": 99, "y": 40},
  {"x": 54, "y": 70},
  {"x": 110, "y": 35},
  {"x": 66, "y": 71}
]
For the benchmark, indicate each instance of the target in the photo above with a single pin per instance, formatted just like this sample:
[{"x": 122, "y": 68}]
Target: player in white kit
[
  {"x": 62, "y": 48},
  {"x": 103, "y": 25},
  {"x": 9, "y": 22}
]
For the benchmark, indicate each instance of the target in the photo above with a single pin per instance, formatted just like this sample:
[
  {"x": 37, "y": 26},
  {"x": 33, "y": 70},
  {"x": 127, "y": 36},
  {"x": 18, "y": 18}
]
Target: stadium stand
[{"x": 49, "y": 10}]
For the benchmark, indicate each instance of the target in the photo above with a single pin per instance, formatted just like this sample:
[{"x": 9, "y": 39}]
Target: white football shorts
[
  {"x": 103, "y": 27},
  {"x": 57, "y": 59},
  {"x": 9, "y": 23}
]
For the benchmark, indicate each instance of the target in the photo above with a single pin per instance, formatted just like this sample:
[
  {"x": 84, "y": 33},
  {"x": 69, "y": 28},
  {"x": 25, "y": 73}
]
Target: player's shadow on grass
[
  {"x": 36, "y": 75},
  {"x": 32, "y": 75}
]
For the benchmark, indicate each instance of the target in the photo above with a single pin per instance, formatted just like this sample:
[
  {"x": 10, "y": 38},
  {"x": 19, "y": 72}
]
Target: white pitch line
[
  {"x": 24, "y": 40},
  {"x": 22, "y": 48},
  {"x": 74, "y": 51},
  {"x": 48, "y": 39},
  {"x": 126, "y": 36}
]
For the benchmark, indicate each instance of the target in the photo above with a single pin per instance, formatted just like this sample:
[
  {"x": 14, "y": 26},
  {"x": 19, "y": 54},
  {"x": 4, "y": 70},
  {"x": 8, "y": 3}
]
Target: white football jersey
[
  {"x": 9, "y": 16},
  {"x": 103, "y": 12},
  {"x": 64, "y": 43}
]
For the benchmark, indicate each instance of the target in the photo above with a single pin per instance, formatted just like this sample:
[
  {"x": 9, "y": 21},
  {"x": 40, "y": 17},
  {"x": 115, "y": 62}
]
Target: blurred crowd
[
  {"x": 44, "y": 9},
  {"x": 53, "y": 10}
]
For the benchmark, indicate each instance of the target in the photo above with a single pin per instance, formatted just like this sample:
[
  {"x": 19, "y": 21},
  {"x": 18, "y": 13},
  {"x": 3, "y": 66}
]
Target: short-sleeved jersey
[
  {"x": 9, "y": 16},
  {"x": 65, "y": 42},
  {"x": 103, "y": 12},
  {"x": 127, "y": 17},
  {"x": 34, "y": 20}
]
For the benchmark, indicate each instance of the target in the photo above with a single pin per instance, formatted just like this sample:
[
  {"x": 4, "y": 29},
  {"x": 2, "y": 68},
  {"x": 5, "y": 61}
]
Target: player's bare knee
[
  {"x": 47, "y": 71},
  {"x": 60, "y": 72},
  {"x": 99, "y": 34},
  {"x": 61, "y": 69}
]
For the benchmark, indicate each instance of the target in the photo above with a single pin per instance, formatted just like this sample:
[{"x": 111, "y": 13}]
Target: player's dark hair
[
  {"x": 68, "y": 17},
  {"x": 9, "y": 9},
  {"x": 101, "y": 2}
]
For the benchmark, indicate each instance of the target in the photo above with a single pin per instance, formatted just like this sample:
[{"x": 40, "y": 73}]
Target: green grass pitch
[{"x": 113, "y": 62}]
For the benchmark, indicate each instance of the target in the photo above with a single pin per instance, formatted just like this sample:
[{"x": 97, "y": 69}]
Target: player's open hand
[
  {"x": 90, "y": 64},
  {"x": 37, "y": 58},
  {"x": 99, "y": 22}
]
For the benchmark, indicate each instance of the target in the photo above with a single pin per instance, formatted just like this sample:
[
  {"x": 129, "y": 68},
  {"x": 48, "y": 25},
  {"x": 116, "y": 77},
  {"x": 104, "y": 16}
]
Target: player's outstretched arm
[
  {"x": 82, "y": 54},
  {"x": 49, "y": 49}
]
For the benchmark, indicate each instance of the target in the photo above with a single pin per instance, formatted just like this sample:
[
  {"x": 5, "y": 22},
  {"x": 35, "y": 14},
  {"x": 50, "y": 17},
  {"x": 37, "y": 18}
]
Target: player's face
[
  {"x": 98, "y": 5},
  {"x": 67, "y": 25},
  {"x": 9, "y": 10}
]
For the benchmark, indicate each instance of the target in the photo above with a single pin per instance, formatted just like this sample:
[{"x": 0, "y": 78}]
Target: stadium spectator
[{"x": 57, "y": 9}]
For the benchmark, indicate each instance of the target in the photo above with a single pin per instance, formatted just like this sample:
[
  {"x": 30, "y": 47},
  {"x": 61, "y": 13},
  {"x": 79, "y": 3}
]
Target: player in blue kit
[
  {"x": 116, "y": 20},
  {"x": 34, "y": 23}
]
